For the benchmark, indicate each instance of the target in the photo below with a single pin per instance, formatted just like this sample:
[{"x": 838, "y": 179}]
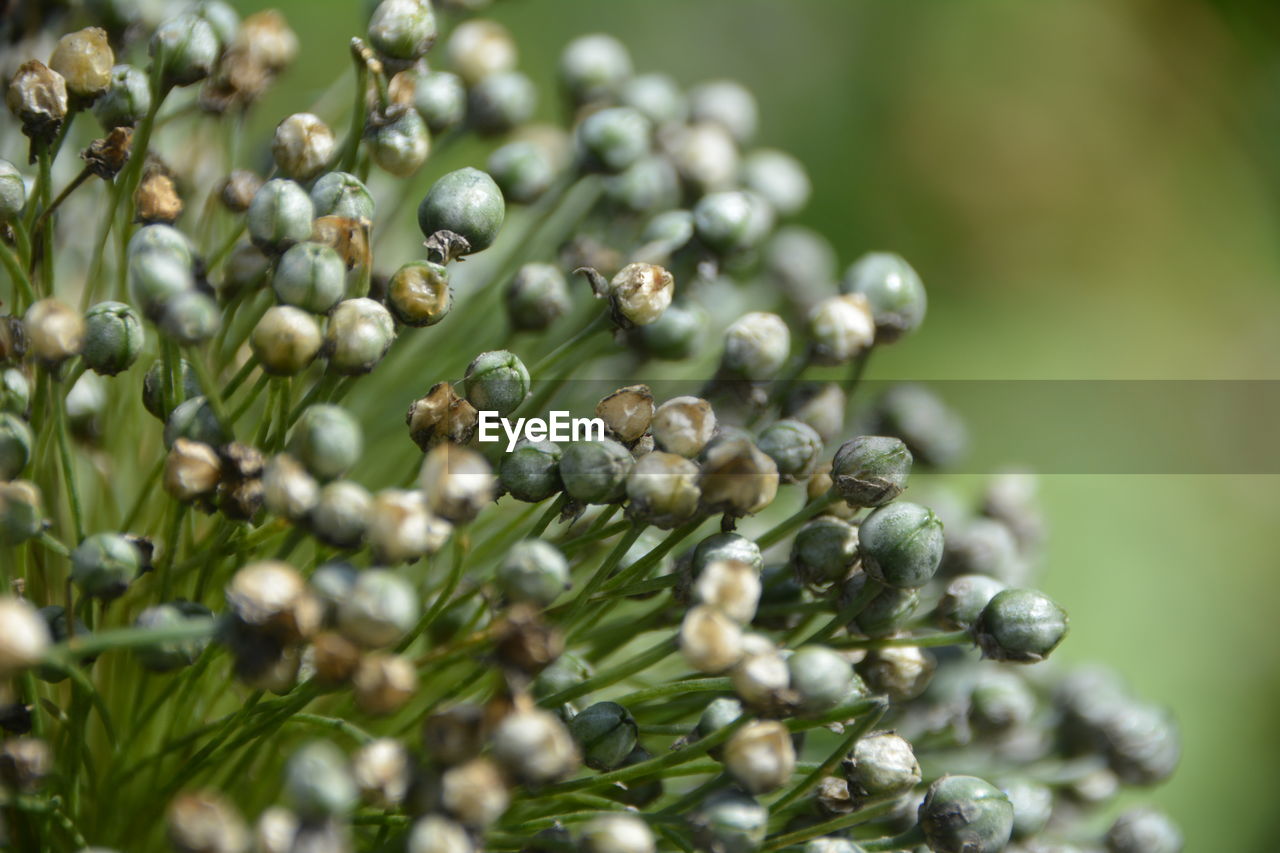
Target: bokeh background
[{"x": 1090, "y": 190}]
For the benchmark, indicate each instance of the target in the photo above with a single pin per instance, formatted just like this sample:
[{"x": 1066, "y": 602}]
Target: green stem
[
  {"x": 824, "y": 769},
  {"x": 920, "y": 641},
  {"x": 780, "y": 530},
  {"x": 88, "y": 645},
  {"x": 19, "y": 276},
  {"x": 864, "y": 815},
  {"x": 846, "y": 614},
  {"x": 601, "y": 575},
  {"x": 677, "y": 688},
  {"x": 612, "y": 676},
  {"x": 68, "y": 470},
  {"x": 443, "y": 597},
  {"x": 908, "y": 840}
]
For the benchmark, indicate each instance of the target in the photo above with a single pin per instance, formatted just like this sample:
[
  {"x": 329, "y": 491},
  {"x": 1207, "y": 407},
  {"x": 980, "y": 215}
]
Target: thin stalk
[
  {"x": 601, "y": 575},
  {"x": 613, "y": 675},
  {"x": 863, "y": 815},
  {"x": 779, "y": 531},
  {"x": 444, "y": 595},
  {"x": 922, "y": 641}
]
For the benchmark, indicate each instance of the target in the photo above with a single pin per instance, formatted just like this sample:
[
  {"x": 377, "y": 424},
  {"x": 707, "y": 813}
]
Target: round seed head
[
  {"x": 37, "y": 95},
  {"x": 496, "y": 381},
  {"x": 639, "y": 293},
  {"x": 190, "y": 317},
  {"x": 881, "y": 765},
  {"x": 964, "y": 600},
  {"x": 24, "y": 635},
  {"x": 401, "y": 528},
  {"x": 382, "y": 770},
  {"x": 794, "y": 447},
  {"x": 440, "y": 98},
  {"x": 126, "y": 100},
  {"x": 894, "y": 291},
  {"x": 720, "y": 713},
  {"x": 384, "y": 683},
  {"x": 999, "y": 701},
  {"x": 172, "y": 654},
  {"x": 871, "y": 470},
  {"x": 478, "y": 48},
  {"x": 729, "y": 821},
  {"x": 841, "y": 328},
  {"x": 457, "y": 482},
  {"x": 13, "y": 191},
  {"x": 523, "y": 170},
  {"x": 761, "y": 678},
  {"x": 756, "y": 346},
  {"x": 728, "y": 104},
  {"x": 612, "y": 139},
  {"x": 683, "y": 425},
  {"x": 536, "y": 297},
  {"x": 595, "y": 472},
  {"x": 280, "y": 215},
  {"x": 1143, "y": 830},
  {"x": 594, "y": 67},
  {"x": 318, "y": 781},
  {"x": 15, "y": 445},
  {"x": 820, "y": 677},
  {"x": 399, "y": 141},
  {"x": 467, "y": 203},
  {"x": 186, "y": 386},
  {"x": 21, "y": 515},
  {"x": 663, "y": 490},
  {"x": 222, "y": 17},
  {"x": 327, "y": 440},
  {"x": 113, "y": 338},
  {"x": 964, "y": 814},
  {"x": 443, "y": 416},
  {"x": 657, "y": 96},
  {"x": 501, "y": 102},
  {"x": 732, "y": 220},
  {"x": 705, "y": 155},
  {"x": 268, "y": 41},
  {"x": 271, "y": 596},
  {"x": 402, "y": 29},
  {"x": 730, "y": 586},
  {"x": 418, "y": 294},
  {"x": 474, "y": 793},
  {"x": 1141, "y": 742},
  {"x": 534, "y": 747},
  {"x": 678, "y": 334},
  {"x": 104, "y": 564},
  {"x": 564, "y": 673},
  {"x": 310, "y": 276},
  {"x": 191, "y": 470},
  {"x": 359, "y": 334},
  {"x": 436, "y": 834},
  {"x": 710, "y": 641},
  {"x": 162, "y": 238},
  {"x": 932, "y": 430},
  {"x": 605, "y": 733},
  {"x": 778, "y": 178},
  {"x": 342, "y": 194},
  {"x": 901, "y": 544},
  {"x": 533, "y": 571},
  {"x": 84, "y": 59},
  {"x": 341, "y": 516},
  {"x": 186, "y": 48},
  {"x": 157, "y": 277},
  {"x": 302, "y": 146},
  {"x": 802, "y": 262},
  {"x": 760, "y": 756},
  {"x": 531, "y": 472},
  {"x": 737, "y": 478},
  {"x": 203, "y": 822},
  {"x": 616, "y": 833},
  {"x": 1020, "y": 625},
  {"x": 285, "y": 340},
  {"x": 55, "y": 331},
  {"x": 824, "y": 551},
  {"x": 901, "y": 673}
]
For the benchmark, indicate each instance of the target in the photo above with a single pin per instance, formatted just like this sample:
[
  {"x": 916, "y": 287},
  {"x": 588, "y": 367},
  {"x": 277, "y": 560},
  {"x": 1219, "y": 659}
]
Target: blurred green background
[{"x": 1090, "y": 190}]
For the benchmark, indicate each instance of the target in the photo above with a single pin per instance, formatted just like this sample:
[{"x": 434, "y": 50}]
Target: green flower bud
[
  {"x": 760, "y": 756},
  {"x": 1020, "y": 625},
  {"x": 794, "y": 447},
  {"x": 824, "y": 551},
  {"x": 683, "y": 425},
  {"x": 155, "y": 381},
  {"x": 894, "y": 291},
  {"x": 612, "y": 139},
  {"x": 478, "y": 48},
  {"x": 901, "y": 544},
  {"x": 403, "y": 29},
  {"x": 881, "y": 765},
  {"x": 639, "y": 293},
  {"x": 418, "y": 294},
  {"x": 55, "y": 331},
  {"x": 162, "y": 238},
  {"x": 756, "y": 345},
  {"x": 496, "y": 381},
  {"x": 113, "y": 338},
  {"x": 616, "y": 833},
  {"x": 467, "y": 203},
  {"x": 531, "y": 472},
  {"x": 678, "y": 334},
  {"x": 327, "y": 440},
  {"x": 280, "y": 215},
  {"x": 534, "y": 747},
  {"x": 380, "y": 609},
  {"x": 605, "y": 733},
  {"x": 726, "y": 103},
  {"x": 310, "y": 276},
  {"x": 126, "y": 100},
  {"x": 190, "y": 317},
  {"x": 732, "y": 220},
  {"x": 886, "y": 612},
  {"x": 841, "y": 328},
  {"x": 458, "y": 482},
  {"x": 963, "y": 814},
  {"x": 999, "y": 701},
  {"x": 37, "y": 95},
  {"x": 595, "y": 472},
  {"x": 15, "y": 446},
  {"x": 172, "y": 654},
  {"x": 21, "y": 515},
  {"x": 657, "y": 96},
  {"x": 194, "y": 419},
  {"x": 594, "y": 67},
  {"x": 501, "y": 102},
  {"x": 523, "y": 170},
  {"x": 156, "y": 277},
  {"x": 441, "y": 99},
  {"x": 1032, "y": 808},
  {"x": 186, "y": 47},
  {"x": 285, "y": 340},
  {"x": 13, "y": 192},
  {"x": 565, "y": 672},
  {"x": 671, "y": 229},
  {"x": 779, "y": 178},
  {"x": 1143, "y": 830},
  {"x": 342, "y": 194},
  {"x": 719, "y": 713},
  {"x": 964, "y": 600},
  {"x": 84, "y": 59},
  {"x": 104, "y": 564},
  {"x": 647, "y": 185},
  {"x": 341, "y": 515},
  {"x": 436, "y": 834},
  {"x": 536, "y": 297},
  {"x": 871, "y": 470},
  {"x": 1141, "y": 743},
  {"x": 15, "y": 391},
  {"x": 533, "y": 571},
  {"x": 360, "y": 333},
  {"x": 985, "y": 546},
  {"x": 737, "y": 479},
  {"x": 303, "y": 146},
  {"x": 318, "y": 781},
  {"x": 729, "y": 821},
  {"x": 398, "y": 141},
  {"x": 820, "y": 677}
]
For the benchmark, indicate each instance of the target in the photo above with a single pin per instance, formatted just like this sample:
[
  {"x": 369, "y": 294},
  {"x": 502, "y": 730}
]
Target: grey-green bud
[
  {"x": 280, "y": 215},
  {"x": 318, "y": 781},
  {"x": 194, "y": 419},
  {"x": 112, "y": 338},
  {"x": 820, "y": 677},
  {"x": 824, "y": 551},
  {"x": 154, "y": 382},
  {"x": 894, "y": 291},
  {"x": 360, "y": 333},
  {"x": 1020, "y": 625},
  {"x": 778, "y": 178},
  {"x": 606, "y": 734},
  {"x": 726, "y": 103},
  {"x": 730, "y": 821},
  {"x": 901, "y": 544},
  {"x": 656, "y": 95},
  {"x": 190, "y": 317},
  {"x": 531, "y": 472},
  {"x": 172, "y": 654},
  {"x": 537, "y": 296},
  {"x": 496, "y": 381},
  {"x": 467, "y": 203},
  {"x": 127, "y": 98},
  {"x": 885, "y": 612},
  {"x": 186, "y": 47},
  {"x": 327, "y": 440},
  {"x": 964, "y": 600},
  {"x": 104, "y": 565},
  {"x": 523, "y": 170},
  {"x": 21, "y": 511},
  {"x": 1143, "y": 830},
  {"x": 398, "y": 140},
  {"x": 594, "y": 67},
  {"x": 342, "y": 194},
  {"x": 441, "y": 99},
  {"x": 381, "y": 608},
  {"x": 15, "y": 445},
  {"x": 964, "y": 814},
  {"x": 310, "y": 276},
  {"x": 595, "y": 472},
  {"x": 732, "y": 220},
  {"x": 501, "y": 102},
  {"x": 678, "y": 334},
  {"x": 880, "y": 765},
  {"x": 612, "y": 139},
  {"x": 534, "y": 571},
  {"x": 341, "y": 515},
  {"x": 794, "y": 446},
  {"x": 403, "y": 29},
  {"x": 871, "y": 470},
  {"x": 13, "y": 191}
]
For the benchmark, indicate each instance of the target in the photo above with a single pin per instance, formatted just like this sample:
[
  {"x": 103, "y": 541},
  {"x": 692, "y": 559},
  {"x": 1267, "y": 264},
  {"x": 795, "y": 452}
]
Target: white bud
[
  {"x": 24, "y": 636},
  {"x": 435, "y": 834},
  {"x": 535, "y": 747},
  {"x": 620, "y": 833},
  {"x": 382, "y": 772},
  {"x": 710, "y": 641},
  {"x": 841, "y": 327},
  {"x": 474, "y": 792},
  {"x": 761, "y": 678},
  {"x": 760, "y": 756},
  {"x": 683, "y": 425},
  {"x": 730, "y": 586}
]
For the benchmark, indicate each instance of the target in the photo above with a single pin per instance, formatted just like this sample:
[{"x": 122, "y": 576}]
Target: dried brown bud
[
  {"x": 627, "y": 412},
  {"x": 54, "y": 331},
  {"x": 38, "y": 97},
  {"x": 191, "y": 469},
  {"x": 383, "y": 683},
  {"x": 525, "y": 642},
  {"x": 334, "y": 657},
  {"x": 25, "y": 762},
  {"x": 106, "y": 157},
  {"x": 441, "y": 416},
  {"x": 157, "y": 199},
  {"x": 738, "y": 478},
  {"x": 348, "y": 237},
  {"x": 454, "y": 735},
  {"x": 239, "y": 189}
]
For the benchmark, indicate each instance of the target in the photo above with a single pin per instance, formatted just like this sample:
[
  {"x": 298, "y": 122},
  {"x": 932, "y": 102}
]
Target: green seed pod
[
  {"x": 155, "y": 380},
  {"x": 964, "y": 600},
  {"x": 13, "y": 192},
  {"x": 1033, "y": 807},
  {"x": 720, "y": 547},
  {"x": 639, "y": 294},
  {"x": 436, "y": 834},
  {"x": 595, "y": 472},
  {"x": 311, "y": 277},
  {"x": 657, "y": 96},
  {"x": 705, "y": 155},
  {"x": 594, "y": 68},
  {"x": 606, "y": 733},
  {"x": 126, "y": 100},
  {"x": 894, "y": 291},
  {"x": 534, "y": 571},
  {"x": 342, "y": 194},
  {"x": 302, "y": 146},
  {"x": 172, "y": 654},
  {"x": 156, "y": 277},
  {"x": 880, "y": 765},
  {"x": 15, "y": 391},
  {"x": 963, "y": 814},
  {"x": 612, "y": 139},
  {"x": 186, "y": 47},
  {"x": 501, "y": 102},
  {"x": 534, "y": 747},
  {"x": 379, "y": 610},
  {"x": 616, "y": 833},
  {"x": 318, "y": 781},
  {"x": 1143, "y": 830},
  {"x": 683, "y": 425},
  {"x": 285, "y": 340},
  {"x": 901, "y": 544},
  {"x": 778, "y": 178},
  {"x": 871, "y": 470},
  {"x": 564, "y": 673},
  {"x": 478, "y": 48},
  {"x": 341, "y": 515},
  {"x": 729, "y": 821},
  {"x": 737, "y": 479},
  {"x": 360, "y": 333},
  {"x": 418, "y": 294},
  {"x": 37, "y": 95},
  {"x": 399, "y": 141},
  {"x": 496, "y": 381},
  {"x": 650, "y": 184},
  {"x": 194, "y": 419},
  {"x": 162, "y": 238},
  {"x": 794, "y": 447},
  {"x": 1000, "y": 701},
  {"x": 841, "y": 329},
  {"x": 1141, "y": 743},
  {"x": 719, "y": 713},
  {"x": 15, "y": 446},
  {"x": 760, "y": 756},
  {"x": 327, "y": 440},
  {"x": 280, "y": 215},
  {"x": 467, "y": 203},
  {"x": 104, "y": 564},
  {"x": 54, "y": 330},
  {"x": 820, "y": 677},
  {"x": 824, "y": 551},
  {"x": 531, "y": 472},
  {"x": 728, "y": 104},
  {"x": 403, "y": 29},
  {"x": 756, "y": 346},
  {"x": 886, "y": 612},
  {"x": 441, "y": 99},
  {"x": 113, "y": 338},
  {"x": 732, "y": 220},
  {"x": 190, "y": 317},
  {"x": 1020, "y": 625},
  {"x": 523, "y": 170},
  {"x": 21, "y": 513},
  {"x": 663, "y": 490},
  {"x": 670, "y": 229},
  {"x": 536, "y": 297},
  {"x": 985, "y": 546},
  {"x": 675, "y": 336}
]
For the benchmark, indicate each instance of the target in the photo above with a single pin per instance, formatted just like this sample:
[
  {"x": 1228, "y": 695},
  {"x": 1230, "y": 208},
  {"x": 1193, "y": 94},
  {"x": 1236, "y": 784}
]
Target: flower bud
[
  {"x": 605, "y": 733},
  {"x": 841, "y": 328},
  {"x": 440, "y": 98},
  {"x": 678, "y": 334},
  {"x": 222, "y": 17},
  {"x": 901, "y": 544},
  {"x": 721, "y": 547},
  {"x": 403, "y": 29},
  {"x": 458, "y": 482},
  {"x": 778, "y": 178},
  {"x": 401, "y": 528},
  {"x": 756, "y": 345},
  {"x": 158, "y": 276},
  {"x": 474, "y": 793},
  {"x": 901, "y": 673},
  {"x": 871, "y": 470},
  {"x": 893, "y": 290},
  {"x": 155, "y": 380},
  {"x": 663, "y": 490},
  {"x": 113, "y": 338},
  {"x": 885, "y": 612},
  {"x": 534, "y": 747},
  {"x": 533, "y": 571},
  {"x": 963, "y": 814},
  {"x": 595, "y": 472},
  {"x": 594, "y": 67},
  {"x": 418, "y": 294},
  {"x": 794, "y": 447},
  {"x": 718, "y": 714},
  {"x": 650, "y": 184},
  {"x": 612, "y": 139},
  {"x": 55, "y": 331},
  {"x": 705, "y": 155},
  {"x": 436, "y": 834},
  {"x": 732, "y": 221},
  {"x": 730, "y": 586},
  {"x": 127, "y": 98},
  {"x": 737, "y": 478},
  {"x": 398, "y": 140},
  {"x": 964, "y": 600},
  {"x": 536, "y": 297},
  {"x": 881, "y": 765},
  {"x": 37, "y": 95},
  {"x": 104, "y": 564},
  {"x": 1032, "y": 807},
  {"x": 639, "y": 294},
  {"x": 327, "y": 440},
  {"x": 760, "y": 756},
  {"x": 285, "y": 340},
  {"x": 500, "y": 102},
  {"x": 203, "y": 822},
  {"x": 270, "y": 596},
  {"x": 359, "y": 334},
  {"x": 25, "y": 763},
  {"x": 280, "y": 215},
  {"x": 190, "y": 317},
  {"x": 21, "y": 516},
  {"x": 13, "y": 191},
  {"x": 84, "y": 59},
  {"x": 616, "y": 833},
  {"x": 191, "y": 470},
  {"x": 342, "y": 194},
  {"x": 710, "y": 641},
  {"x": 303, "y": 146},
  {"x": 683, "y": 425},
  {"x": 1020, "y": 625},
  {"x": 824, "y": 551},
  {"x": 384, "y": 683},
  {"x": 186, "y": 48},
  {"x": 999, "y": 701},
  {"x": 310, "y": 276},
  {"x": 382, "y": 771},
  {"x": 497, "y": 381},
  {"x": 657, "y": 96},
  {"x": 729, "y": 821},
  {"x": 24, "y": 635},
  {"x": 1141, "y": 742},
  {"x": 820, "y": 677},
  {"x": 443, "y": 416},
  {"x": 318, "y": 781},
  {"x": 268, "y": 41},
  {"x": 172, "y": 654},
  {"x": 531, "y": 472},
  {"x": 467, "y": 203},
  {"x": 523, "y": 170},
  {"x": 275, "y": 830},
  {"x": 761, "y": 678},
  {"x": 15, "y": 445},
  {"x": 1143, "y": 830},
  {"x": 726, "y": 103}
]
